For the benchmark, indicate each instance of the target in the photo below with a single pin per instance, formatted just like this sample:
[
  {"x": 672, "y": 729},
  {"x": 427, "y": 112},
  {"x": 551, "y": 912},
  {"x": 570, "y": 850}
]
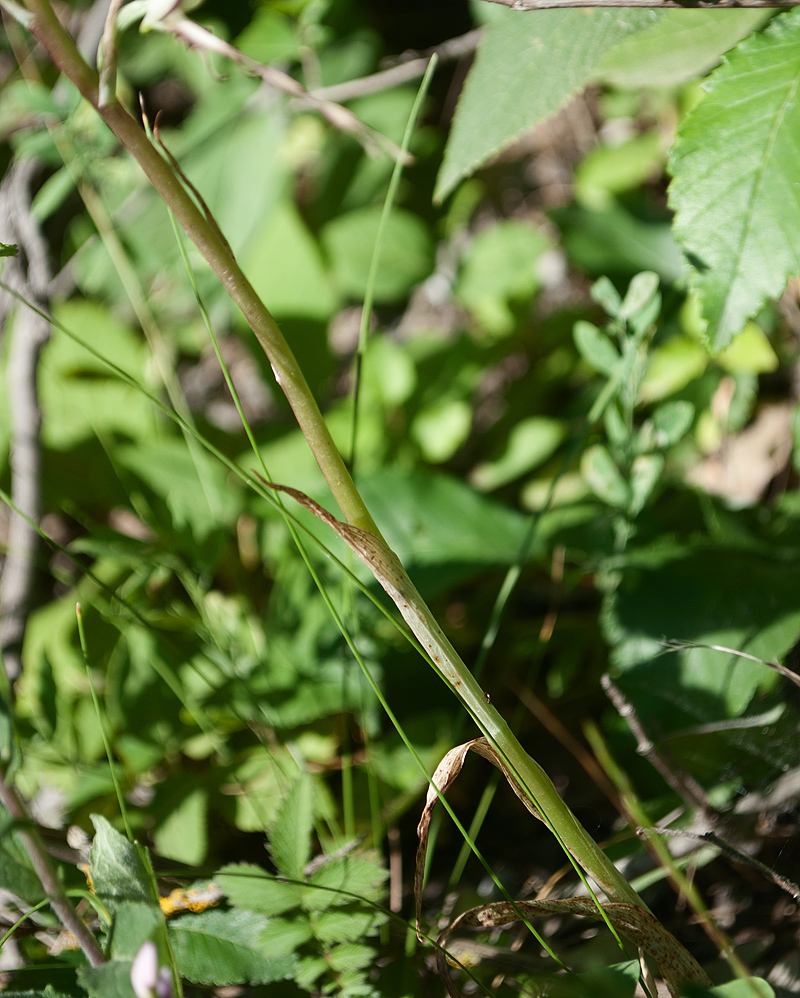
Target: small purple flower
[{"x": 147, "y": 978}]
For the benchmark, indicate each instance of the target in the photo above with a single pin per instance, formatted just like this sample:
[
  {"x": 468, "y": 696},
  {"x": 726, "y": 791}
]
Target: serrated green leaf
[
  {"x": 736, "y": 179},
  {"x": 285, "y": 935},
  {"x": 595, "y": 348},
  {"x": 351, "y": 956},
  {"x": 338, "y": 926},
  {"x": 340, "y": 880},
  {"x": 223, "y": 947},
  {"x": 251, "y": 887},
  {"x": 116, "y": 866},
  {"x": 527, "y": 67},
  {"x": 290, "y": 833},
  {"x": 681, "y": 45}
]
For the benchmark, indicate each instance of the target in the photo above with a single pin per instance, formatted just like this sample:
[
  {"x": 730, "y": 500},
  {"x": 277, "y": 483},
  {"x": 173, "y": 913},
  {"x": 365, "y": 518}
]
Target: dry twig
[{"x": 29, "y": 274}]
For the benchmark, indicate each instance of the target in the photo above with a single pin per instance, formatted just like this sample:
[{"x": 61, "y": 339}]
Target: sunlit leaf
[
  {"x": 736, "y": 186},
  {"x": 527, "y": 67},
  {"x": 682, "y": 44},
  {"x": 224, "y": 947}
]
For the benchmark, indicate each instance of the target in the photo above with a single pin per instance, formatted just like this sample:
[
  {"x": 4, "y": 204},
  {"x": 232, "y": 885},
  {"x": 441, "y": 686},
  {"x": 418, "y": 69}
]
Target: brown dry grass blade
[
  {"x": 675, "y": 964},
  {"x": 441, "y": 781}
]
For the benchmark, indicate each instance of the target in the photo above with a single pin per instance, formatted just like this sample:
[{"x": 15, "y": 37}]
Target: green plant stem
[
  {"x": 211, "y": 243},
  {"x": 43, "y": 868}
]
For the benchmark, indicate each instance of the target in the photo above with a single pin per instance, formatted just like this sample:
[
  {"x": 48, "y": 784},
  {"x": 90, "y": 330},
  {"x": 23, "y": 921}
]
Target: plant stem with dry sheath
[{"x": 213, "y": 246}]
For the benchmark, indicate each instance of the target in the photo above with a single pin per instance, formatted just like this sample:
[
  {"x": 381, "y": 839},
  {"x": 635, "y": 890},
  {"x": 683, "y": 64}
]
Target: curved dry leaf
[
  {"x": 676, "y": 965},
  {"x": 441, "y": 781}
]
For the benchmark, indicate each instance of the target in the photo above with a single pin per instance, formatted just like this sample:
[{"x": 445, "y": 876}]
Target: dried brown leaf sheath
[{"x": 675, "y": 964}]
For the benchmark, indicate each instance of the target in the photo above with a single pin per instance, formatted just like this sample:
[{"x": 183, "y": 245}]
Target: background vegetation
[{"x": 577, "y": 433}]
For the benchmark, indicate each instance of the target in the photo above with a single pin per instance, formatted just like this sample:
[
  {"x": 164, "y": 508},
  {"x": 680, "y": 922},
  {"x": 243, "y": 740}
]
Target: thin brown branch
[
  {"x": 524, "y": 5},
  {"x": 673, "y": 646},
  {"x": 683, "y": 784},
  {"x": 196, "y": 35},
  {"x": 407, "y": 69},
  {"x": 735, "y": 854},
  {"x": 43, "y": 868}
]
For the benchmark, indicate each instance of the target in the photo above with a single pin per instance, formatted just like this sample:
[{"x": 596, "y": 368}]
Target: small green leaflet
[
  {"x": 736, "y": 179},
  {"x": 8, "y": 249}
]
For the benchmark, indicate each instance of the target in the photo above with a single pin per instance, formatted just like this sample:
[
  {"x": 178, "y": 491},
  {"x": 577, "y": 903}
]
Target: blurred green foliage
[{"x": 234, "y": 707}]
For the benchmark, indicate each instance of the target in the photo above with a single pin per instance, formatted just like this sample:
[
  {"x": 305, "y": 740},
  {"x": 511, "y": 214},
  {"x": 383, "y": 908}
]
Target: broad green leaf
[
  {"x": 116, "y": 866},
  {"x": 681, "y": 45},
  {"x": 498, "y": 268},
  {"x": 193, "y": 487},
  {"x": 441, "y": 428},
  {"x": 671, "y": 367},
  {"x": 224, "y": 947},
  {"x": 134, "y": 923},
  {"x": 749, "y": 352},
  {"x": 19, "y": 879},
  {"x": 614, "y": 241},
  {"x": 80, "y": 396},
  {"x": 608, "y": 170},
  {"x": 596, "y": 348},
  {"x": 743, "y": 989},
  {"x": 670, "y": 421},
  {"x": 440, "y": 527},
  {"x": 284, "y": 265},
  {"x": 269, "y": 36},
  {"x": 8, "y": 249},
  {"x": 527, "y": 67},
  {"x": 251, "y": 887},
  {"x": 109, "y": 980},
  {"x": 183, "y": 835},
  {"x": 406, "y": 257},
  {"x": 736, "y": 179},
  {"x": 714, "y": 596},
  {"x": 530, "y": 443},
  {"x": 290, "y": 832}
]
